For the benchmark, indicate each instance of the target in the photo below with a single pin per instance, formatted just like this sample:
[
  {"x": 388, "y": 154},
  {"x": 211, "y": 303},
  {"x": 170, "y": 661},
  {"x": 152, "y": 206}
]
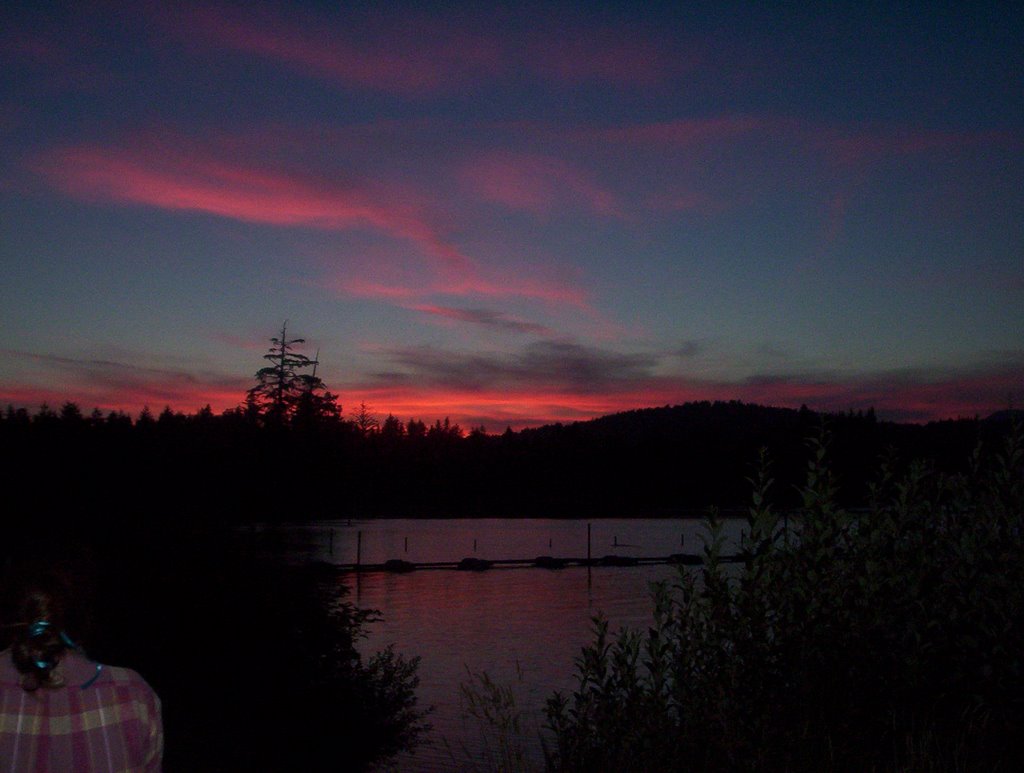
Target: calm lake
[{"x": 522, "y": 626}]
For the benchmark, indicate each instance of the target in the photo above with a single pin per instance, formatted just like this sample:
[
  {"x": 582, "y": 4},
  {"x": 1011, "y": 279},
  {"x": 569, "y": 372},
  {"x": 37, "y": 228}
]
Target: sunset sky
[{"x": 512, "y": 215}]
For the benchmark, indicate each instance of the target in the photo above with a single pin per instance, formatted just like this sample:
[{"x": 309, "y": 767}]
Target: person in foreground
[{"x": 60, "y": 711}]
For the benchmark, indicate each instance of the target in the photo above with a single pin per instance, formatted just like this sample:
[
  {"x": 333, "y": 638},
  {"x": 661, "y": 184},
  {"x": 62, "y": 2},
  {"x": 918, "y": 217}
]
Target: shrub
[{"x": 885, "y": 639}]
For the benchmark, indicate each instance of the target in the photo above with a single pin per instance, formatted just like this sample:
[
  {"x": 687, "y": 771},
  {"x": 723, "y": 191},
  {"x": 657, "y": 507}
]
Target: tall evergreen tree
[{"x": 282, "y": 392}]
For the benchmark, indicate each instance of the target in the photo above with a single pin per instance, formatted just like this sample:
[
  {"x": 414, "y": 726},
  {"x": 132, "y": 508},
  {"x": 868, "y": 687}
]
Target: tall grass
[{"x": 503, "y": 733}]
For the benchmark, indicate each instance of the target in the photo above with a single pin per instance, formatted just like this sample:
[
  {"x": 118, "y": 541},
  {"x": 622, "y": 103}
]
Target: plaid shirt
[{"x": 110, "y": 725}]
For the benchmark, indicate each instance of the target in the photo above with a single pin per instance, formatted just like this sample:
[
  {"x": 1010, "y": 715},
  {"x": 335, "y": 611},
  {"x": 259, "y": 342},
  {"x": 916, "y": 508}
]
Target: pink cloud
[
  {"x": 536, "y": 183},
  {"x": 420, "y": 54},
  {"x": 394, "y": 57},
  {"x": 180, "y": 175},
  {"x": 484, "y": 317},
  {"x": 502, "y": 286},
  {"x": 191, "y": 181}
]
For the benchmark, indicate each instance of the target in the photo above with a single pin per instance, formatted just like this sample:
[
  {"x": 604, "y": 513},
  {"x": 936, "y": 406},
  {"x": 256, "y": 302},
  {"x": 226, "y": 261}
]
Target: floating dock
[{"x": 399, "y": 566}]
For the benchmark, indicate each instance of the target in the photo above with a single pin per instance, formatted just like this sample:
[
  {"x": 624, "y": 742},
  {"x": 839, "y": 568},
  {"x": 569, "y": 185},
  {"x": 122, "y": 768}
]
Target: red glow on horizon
[
  {"x": 531, "y": 402},
  {"x": 499, "y": 409},
  {"x": 129, "y": 400}
]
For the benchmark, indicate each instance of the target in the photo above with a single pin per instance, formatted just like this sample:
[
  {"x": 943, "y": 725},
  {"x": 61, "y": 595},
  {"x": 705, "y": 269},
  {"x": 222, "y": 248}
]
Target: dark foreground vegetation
[
  {"x": 888, "y": 639},
  {"x": 247, "y": 465},
  {"x": 255, "y": 662}
]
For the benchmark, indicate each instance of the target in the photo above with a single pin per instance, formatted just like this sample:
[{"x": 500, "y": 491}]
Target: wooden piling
[
  {"x": 359, "y": 548},
  {"x": 588, "y": 543}
]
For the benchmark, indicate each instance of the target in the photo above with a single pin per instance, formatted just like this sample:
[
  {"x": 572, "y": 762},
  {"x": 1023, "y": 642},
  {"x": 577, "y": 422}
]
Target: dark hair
[
  {"x": 45, "y": 605},
  {"x": 40, "y": 640}
]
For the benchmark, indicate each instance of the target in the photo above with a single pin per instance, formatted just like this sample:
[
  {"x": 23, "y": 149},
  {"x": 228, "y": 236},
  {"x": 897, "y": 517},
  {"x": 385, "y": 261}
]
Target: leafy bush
[
  {"x": 885, "y": 639},
  {"x": 255, "y": 661}
]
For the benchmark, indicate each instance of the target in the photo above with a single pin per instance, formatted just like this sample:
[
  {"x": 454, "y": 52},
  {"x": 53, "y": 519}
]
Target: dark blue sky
[{"x": 515, "y": 214}]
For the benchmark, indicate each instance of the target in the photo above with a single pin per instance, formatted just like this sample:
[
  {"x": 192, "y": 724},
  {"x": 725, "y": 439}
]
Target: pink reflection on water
[{"x": 523, "y": 626}]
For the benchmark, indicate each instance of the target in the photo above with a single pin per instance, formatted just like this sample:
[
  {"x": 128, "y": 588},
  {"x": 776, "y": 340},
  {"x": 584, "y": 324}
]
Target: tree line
[
  {"x": 239, "y": 466},
  {"x": 288, "y": 452}
]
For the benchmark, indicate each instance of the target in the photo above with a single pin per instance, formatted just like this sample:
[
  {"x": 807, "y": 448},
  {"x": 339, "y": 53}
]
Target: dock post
[
  {"x": 406, "y": 544},
  {"x": 332, "y": 542},
  {"x": 588, "y": 544},
  {"x": 474, "y": 545},
  {"x": 359, "y": 548}
]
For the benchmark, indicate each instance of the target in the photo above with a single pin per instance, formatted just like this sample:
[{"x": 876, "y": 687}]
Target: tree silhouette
[
  {"x": 365, "y": 421},
  {"x": 283, "y": 394}
]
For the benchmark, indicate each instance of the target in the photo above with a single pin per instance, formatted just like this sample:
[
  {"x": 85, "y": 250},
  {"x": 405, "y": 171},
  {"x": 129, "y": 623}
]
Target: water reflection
[{"x": 522, "y": 626}]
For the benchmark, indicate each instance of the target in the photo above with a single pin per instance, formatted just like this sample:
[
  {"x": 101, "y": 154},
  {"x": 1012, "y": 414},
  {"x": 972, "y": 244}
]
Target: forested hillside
[{"x": 237, "y": 466}]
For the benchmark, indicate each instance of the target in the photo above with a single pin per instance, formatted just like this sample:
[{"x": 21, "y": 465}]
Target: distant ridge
[
  {"x": 661, "y": 461},
  {"x": 1006, "y": 416}
]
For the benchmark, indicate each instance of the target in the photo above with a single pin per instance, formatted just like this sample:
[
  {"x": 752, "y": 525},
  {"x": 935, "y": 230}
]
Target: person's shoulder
[{"x": 123, "y": 676}]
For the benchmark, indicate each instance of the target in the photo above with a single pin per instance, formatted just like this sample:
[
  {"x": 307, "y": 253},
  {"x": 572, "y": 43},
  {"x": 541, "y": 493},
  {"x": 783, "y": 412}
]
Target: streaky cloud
[
  {"x": 198, "y": 181},
  {"x": 486, "y": 318},
  {"x": 113, "y": 385},
  {"x": 553, "y": 365},
  {"x": 423, "y": 54},
  {"x": 390, "y": 58},
  {"x": 182, "y": 175},
  {"x": 501, "y": 286}
]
